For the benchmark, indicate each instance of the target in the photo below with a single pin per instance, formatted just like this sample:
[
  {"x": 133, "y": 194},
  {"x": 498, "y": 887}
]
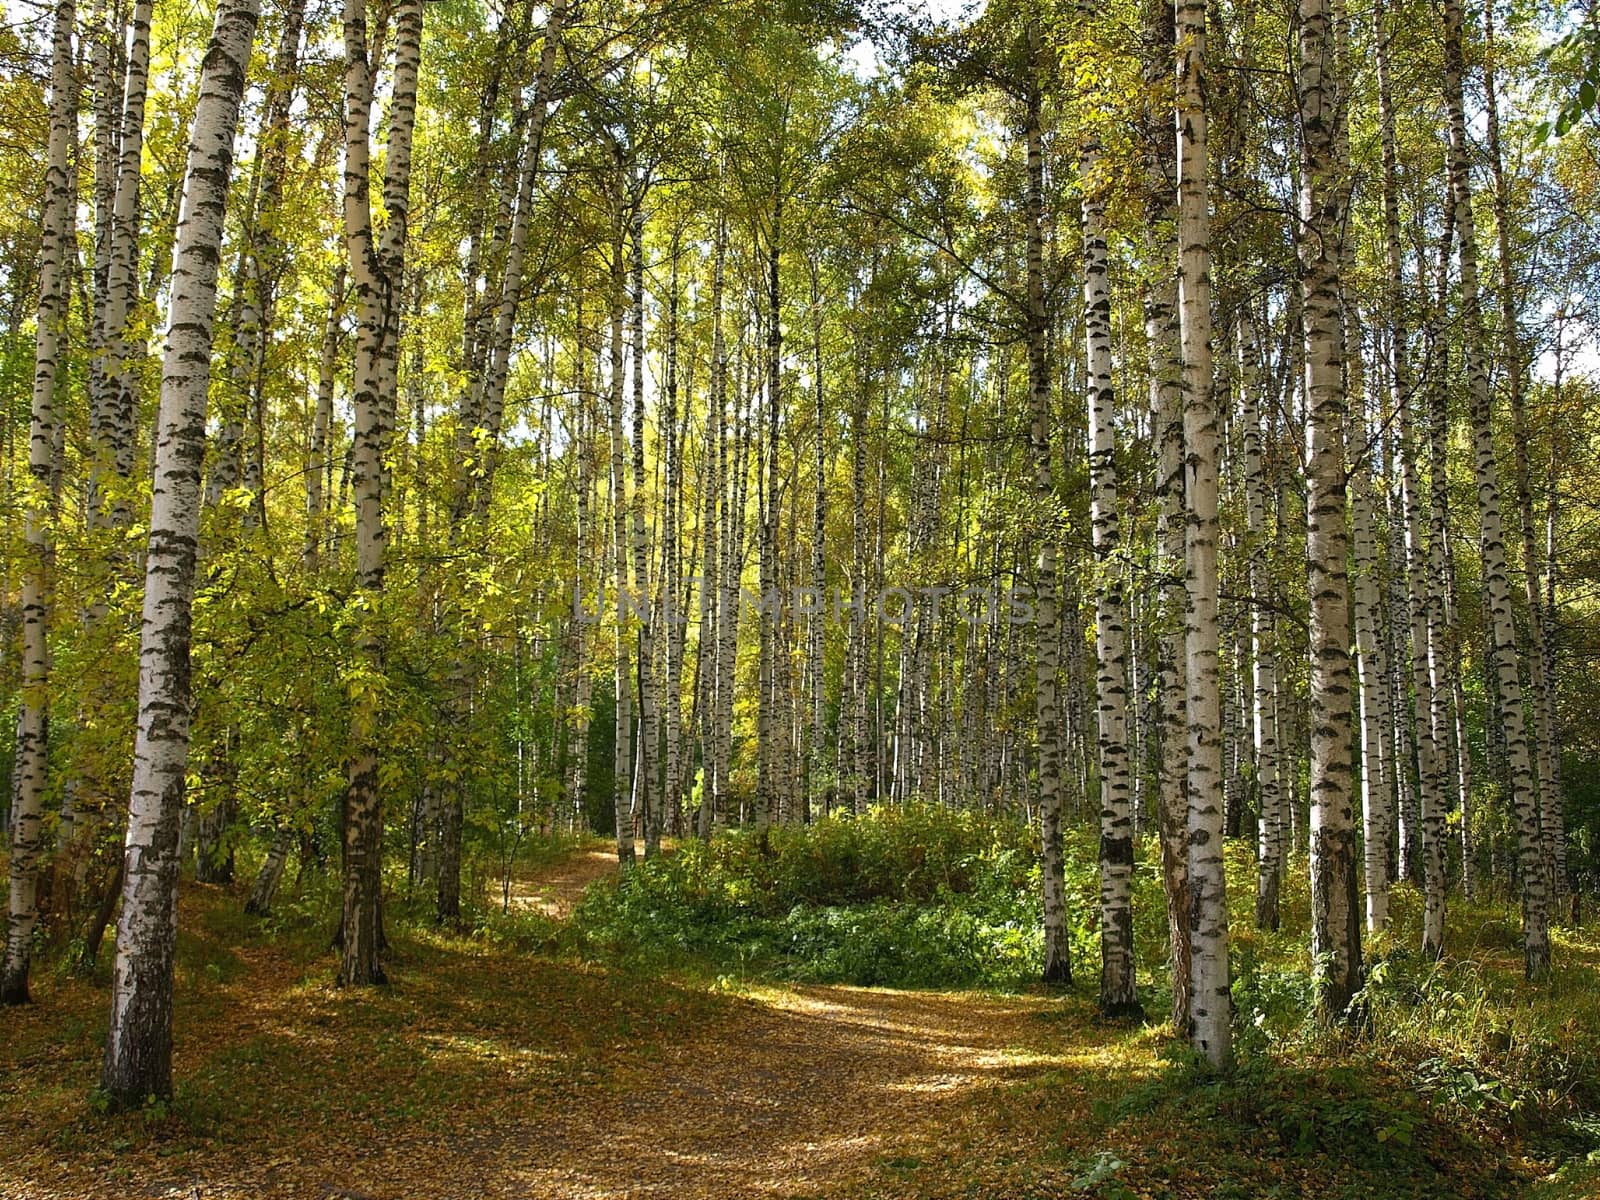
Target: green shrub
[{"x": 906, "y": 897}]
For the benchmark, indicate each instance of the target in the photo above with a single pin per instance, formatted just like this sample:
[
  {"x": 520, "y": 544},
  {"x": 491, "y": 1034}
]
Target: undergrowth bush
[{"x": 905, "y": 897}]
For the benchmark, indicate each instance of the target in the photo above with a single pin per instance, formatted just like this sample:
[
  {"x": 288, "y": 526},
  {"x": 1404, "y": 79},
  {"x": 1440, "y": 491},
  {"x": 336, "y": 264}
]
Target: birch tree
[
  {"x": 1211, "y": 1008},
  {"x": 138, "y": 1053},
  {"x": 1166, "y": 419},
  {"x": 32, "y": 747},
  {"x": 1117, "y": 992},
  {"x": 1335, "y": 905},
  {"x": 1491, "y": 533},
  {"x": 377, "y": 273},
  {"x": 1057, "y": 960}
]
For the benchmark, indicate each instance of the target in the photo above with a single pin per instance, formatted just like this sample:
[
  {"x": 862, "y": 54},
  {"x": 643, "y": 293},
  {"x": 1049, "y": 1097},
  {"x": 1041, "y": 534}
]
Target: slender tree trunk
[
  {"x": 265, "y": 888},
  {"x": 1335, "y": 904},
  {"x": 623, "y": 761},
  {"x": 118, "y": 437},
  {"x": 856, "y": 634},
  {"x": 1166, "y": 419},
  {"x": 1117, "y": 991},
  {"x": 1057, "y": 957},
  {"x": 1552, "y": 826},
  {"x": 1445, "y": 668},
  {"x": 1425, "y": 649},
  {"x": 647, "y": 787},
  {"x": 577, "y": 724},
  {"x": 32, "y": 753},
  {"x": 138, "y": 1054},
  {"x": 1263, "y": 645},
  {"x": 714, "y": 616},
  {"x": 1211, "y": 1006},
  {"x": 672, "y": 616},
  {"x": 377, "y": 271},
  {"x": 1371, "y": 664},
  {"x": 816, "y": 765},
  {"x": 1491, "y": 535},
  {"x": 318, "y": 459}
]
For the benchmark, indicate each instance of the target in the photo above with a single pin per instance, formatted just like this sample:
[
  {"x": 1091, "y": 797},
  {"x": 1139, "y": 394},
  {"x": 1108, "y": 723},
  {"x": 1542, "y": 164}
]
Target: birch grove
[{"x": 1162, "y": 431}]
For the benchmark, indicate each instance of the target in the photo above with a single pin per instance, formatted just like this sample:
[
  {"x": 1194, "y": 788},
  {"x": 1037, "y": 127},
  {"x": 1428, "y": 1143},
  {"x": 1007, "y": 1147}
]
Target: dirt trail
[
  {"x": 556, "y": 890},
  {"x": 808, "y": 1092},
  {"x": 546, "y": 1079},
  {"x": 803, "y": 1091}
]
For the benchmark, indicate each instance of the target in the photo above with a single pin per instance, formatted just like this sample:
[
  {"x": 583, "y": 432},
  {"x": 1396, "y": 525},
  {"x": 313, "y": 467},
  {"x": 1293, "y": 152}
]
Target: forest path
[
  {"x": 793, "y": 1090},
  {"x": 485, "y": 1071},
  {"x": 556, "y": 889}
]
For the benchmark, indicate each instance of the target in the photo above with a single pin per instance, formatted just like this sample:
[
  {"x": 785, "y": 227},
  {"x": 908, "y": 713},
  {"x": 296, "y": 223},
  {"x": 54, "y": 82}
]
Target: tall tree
[
  {"x": 377, "y": 274},
  {"x": 32, "y": 753},
  {"x": 1335, "y": 903},
  {"x": 1491, "y": 532},
  {"x": 138, "y": 1055},
  {"x": 1117, "y": 991},
  {"x": 1057, "y": 957},
  {"x": 1211, "y": 1008},
  {"x": 1166, "y": 418},
  {"x": 1514, "y": 360}
]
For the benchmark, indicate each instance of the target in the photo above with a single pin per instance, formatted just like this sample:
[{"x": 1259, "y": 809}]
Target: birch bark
[{"x": 138, "y": 1054}]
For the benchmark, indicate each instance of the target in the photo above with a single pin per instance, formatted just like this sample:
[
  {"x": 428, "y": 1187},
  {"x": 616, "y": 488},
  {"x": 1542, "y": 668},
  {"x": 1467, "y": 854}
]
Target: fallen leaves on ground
[{"x": 483, "y": 1073}]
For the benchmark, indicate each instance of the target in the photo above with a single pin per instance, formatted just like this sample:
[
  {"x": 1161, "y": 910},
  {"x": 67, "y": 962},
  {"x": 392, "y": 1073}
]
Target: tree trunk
[
  {"x": 1445, "y": 681},
  {"x": 32, "y": 753},
  {"x": 714, "y": 616},
  {"x": 1270, "y": 830},
  {"x": 623, "y": 761},
  {"x": 318, "y": 458},
  {"x": 816, "y": 757},
  {"x": 1166, "y": 420},
  {"x": 647, "y": 787},
  {"x": 1211, "y": 1006},
  {"x": 1117, "y": 991},
  {"x": 265, "y": 888},
  {"x": 1552, "y": 826},
  {"x": 1491, "y": 535},
  {"x": 671, "y": 610},
  {"x": 118, "y": 436},
  {"x": 138, "y": 1054},
  {"x": 377, "y": 272},
  {"x": 1372, "y": 667},
  {"x": 1425, "y": 648},
  {"x": 577, "y": 725},
  {"x": 1335, "y": 904},
  {"x": 1047, "y": 703}
]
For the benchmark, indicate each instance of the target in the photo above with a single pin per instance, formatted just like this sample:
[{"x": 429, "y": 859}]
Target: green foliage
[
  {"x": 912, "y": 897},
  {"x": 1577, "y": 55}
]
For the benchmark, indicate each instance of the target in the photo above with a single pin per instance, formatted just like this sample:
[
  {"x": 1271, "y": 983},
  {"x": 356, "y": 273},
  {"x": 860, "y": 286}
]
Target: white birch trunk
[
  {"x": 1552, "y": 826},
  {"x": 1445, "y": 672},
  {"x": 138, "y": 1054},
  {"x": 1491, "y": 534},
  {"x": 32, "y": 749},
  {"x": 1211, "y": 1007},
  {"x": 1263, "y": 643},
  {"x": 622, "y": 809},
  {"x": 376, "y": 268},
  {"x": 1166, "y": 420},
  {"x": 1371, "y": 663},
  {"x": 1117, "y": 991},
  {"x": 1335, "y": 906},
  {"x": 1047, "y": 619}
]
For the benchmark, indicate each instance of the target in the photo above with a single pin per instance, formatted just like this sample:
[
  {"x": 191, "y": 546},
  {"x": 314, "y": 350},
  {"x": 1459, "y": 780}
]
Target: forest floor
[{"x": 485, "y": 1071}]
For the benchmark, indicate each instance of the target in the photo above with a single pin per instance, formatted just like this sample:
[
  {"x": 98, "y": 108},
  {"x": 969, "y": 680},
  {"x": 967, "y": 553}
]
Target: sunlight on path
[
  {"x": 800, "y": 1090},
  {"x": 562, "y": 1090},
  {"x": 805, "y": 1090},
  {"x": 555, "y": 892}
]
